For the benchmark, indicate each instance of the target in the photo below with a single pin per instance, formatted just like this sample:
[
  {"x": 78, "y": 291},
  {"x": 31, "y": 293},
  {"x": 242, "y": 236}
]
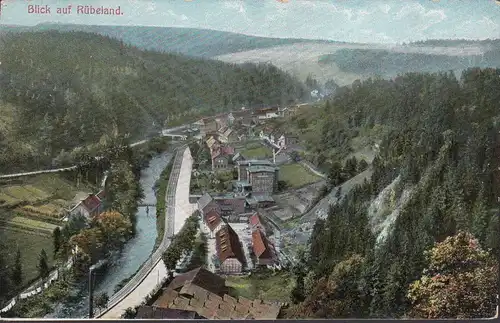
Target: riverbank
[
  {"x": 134, "y": 252},
  {"x": 161, "y": 192}
]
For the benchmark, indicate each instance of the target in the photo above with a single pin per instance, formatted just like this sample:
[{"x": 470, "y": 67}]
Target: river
[{"x": 135, "y": 252}]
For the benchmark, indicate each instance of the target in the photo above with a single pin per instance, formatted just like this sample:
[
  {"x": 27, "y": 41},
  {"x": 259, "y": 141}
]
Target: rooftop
[
  {"x": 212, "y": 219},
  {"x": 228, "y": 245},
  {"x": 262, "y": 248},
  {"x": 186, "y": 293},
  {"x": 91, "y": 203},
  {"x": 201, "y": 278},
  {"x": 254, "y": 219},
  {"x": 204, "y": 201}
]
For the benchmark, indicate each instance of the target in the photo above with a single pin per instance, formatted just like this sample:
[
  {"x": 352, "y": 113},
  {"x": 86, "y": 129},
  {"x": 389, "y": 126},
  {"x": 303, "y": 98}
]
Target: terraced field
[
  {"x": 32, "y": 224},
  {"x": 30, "y": 209}
]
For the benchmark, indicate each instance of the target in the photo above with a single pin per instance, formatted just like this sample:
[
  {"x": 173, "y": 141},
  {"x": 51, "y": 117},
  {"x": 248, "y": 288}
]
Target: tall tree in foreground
[
  {"x": 43, "y": 264},
  {"x": 57, "y": 240},
  {"x": 17, "y": 272},
  {"x": 459, "y": 282},
  {"x": 4, "y": 278}
]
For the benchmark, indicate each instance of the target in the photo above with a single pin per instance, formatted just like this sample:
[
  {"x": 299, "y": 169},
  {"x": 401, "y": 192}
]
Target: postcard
[{"x": 243, "y": 159}]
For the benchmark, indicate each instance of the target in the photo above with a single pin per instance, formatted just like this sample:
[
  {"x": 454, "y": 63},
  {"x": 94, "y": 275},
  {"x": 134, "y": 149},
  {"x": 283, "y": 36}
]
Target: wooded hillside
[
  {"x": 436, "y": 174},
  {"x": 63, "y": 90}
]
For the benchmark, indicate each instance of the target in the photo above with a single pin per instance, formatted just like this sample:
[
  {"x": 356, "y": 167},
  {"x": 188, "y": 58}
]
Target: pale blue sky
[{"x": 387, "y": 21}]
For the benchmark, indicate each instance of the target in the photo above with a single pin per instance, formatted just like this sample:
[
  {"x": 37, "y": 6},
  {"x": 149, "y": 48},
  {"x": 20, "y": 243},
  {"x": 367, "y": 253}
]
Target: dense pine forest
[
  {"x": 61, "y": 90},
  {"x": 435, "y": 176}
]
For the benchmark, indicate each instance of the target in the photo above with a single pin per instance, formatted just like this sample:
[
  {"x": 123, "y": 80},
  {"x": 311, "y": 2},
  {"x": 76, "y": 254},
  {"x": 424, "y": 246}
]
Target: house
[
  {"x": 229, "y": 251},
  {"x": 228, "y": 135},
  {"x": 255, "y": 201},
  {"x": 154, "y": 312},
  {"x": 193, "y": 282},
  {"x": 207, "y": 203},
  {"x": 285, "y": 140},
  {"x": 221, "y": 122},
  {"x": 263, "y": 178},
  {"x": 206, "y": 125},
  {"x": 263, "y": 249},
  {"x": 285, "y": 112},
  {"x": 89, "y": 207},
  {"x": 219, "y": 160},
  {"x": 231, "y": 205},
  {"x": 254, "y": 222},
  {"x": 206, "y": 294},
  {"x": 221, "y": 156},
  {"x": 213, "y": 221},
  {"x": 266, "y": 113},
  {"x": 244, "y": 164},
  {"x": 212, "y": 143},
  {"x": 248, "y": 121}
]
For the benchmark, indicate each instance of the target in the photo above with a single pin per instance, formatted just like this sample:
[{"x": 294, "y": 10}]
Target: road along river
[{"x": 135, "y": 253}]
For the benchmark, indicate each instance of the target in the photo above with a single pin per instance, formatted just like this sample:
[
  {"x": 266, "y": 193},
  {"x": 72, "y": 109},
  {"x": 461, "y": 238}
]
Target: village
[
  {"x": 236, "y": 174},
  {"x": 245, "y": 158}
]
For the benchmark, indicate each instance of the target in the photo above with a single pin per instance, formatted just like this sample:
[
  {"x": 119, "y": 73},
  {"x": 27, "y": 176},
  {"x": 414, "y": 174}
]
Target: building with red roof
[
  {"x": 90, "y": 207},
  {"x": 254, "y": 222},
  {"x": 229, "y": 251},
  {"x": 213, "y": 220},
  {"x": 263, "y": 249},
  {"x": 221, "y": 155}
]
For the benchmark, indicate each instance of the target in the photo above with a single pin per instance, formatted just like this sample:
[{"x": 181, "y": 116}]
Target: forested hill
[
  {"x": 63, "y": 90},
  {"x": 187, "y": 41},
  {"x": 436, "y": 174}
]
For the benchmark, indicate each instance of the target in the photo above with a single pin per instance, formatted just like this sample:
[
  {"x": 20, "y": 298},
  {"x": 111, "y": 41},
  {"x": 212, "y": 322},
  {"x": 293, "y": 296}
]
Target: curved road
[{"x": 153, "y": 270}]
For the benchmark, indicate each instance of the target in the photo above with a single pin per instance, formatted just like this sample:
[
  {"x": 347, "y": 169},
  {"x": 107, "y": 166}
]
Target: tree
[
  {"x": 335, "y": 174},
  {"x": 362, "y": 165},
  {"x": 102, "y": 300},
  {"x": 114, "y": 227},
  {"x": 330, "y": 86},
  {"x": 129, "y": 313},
  {"x": 43, "y": 264},
  {"x": 17, "y": 272},
  {"x": 4, "y": 277},
  {"x": 57, "y": 236},
  {"x": 335, "y": 295},
  {"x": 351, "y": 166},
  {"x": 459, "y": 282},
  {"x": 90, "y": 242}
]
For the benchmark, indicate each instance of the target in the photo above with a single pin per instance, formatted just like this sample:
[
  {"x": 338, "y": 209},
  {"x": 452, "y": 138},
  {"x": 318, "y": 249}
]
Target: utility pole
[
  {"x": 91, "y": 286},
  {"x": 91, "y": 292}
]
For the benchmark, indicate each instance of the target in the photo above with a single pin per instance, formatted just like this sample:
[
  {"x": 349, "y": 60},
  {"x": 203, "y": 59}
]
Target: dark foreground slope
[{"x": 63, "y": 90}]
